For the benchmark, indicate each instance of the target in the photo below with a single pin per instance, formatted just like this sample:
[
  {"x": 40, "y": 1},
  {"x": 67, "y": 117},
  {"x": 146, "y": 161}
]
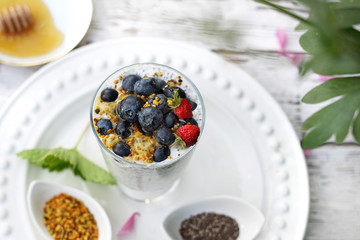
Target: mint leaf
[
  {"x": 58, "y": 159},
  {"x": 35, "y": 156},
  {"x": 45, "y": 158},
  {"x": 337, "y": 117},
  {"x": 89, "y": 171}
]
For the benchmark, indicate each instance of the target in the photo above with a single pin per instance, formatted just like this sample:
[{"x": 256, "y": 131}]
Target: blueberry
[
  {"x": 122, "y": 129},
  {"x": 161, "y": 153},
  {"x": 169, "y": 92},
  {"x": 164, "y": 136},
  {"x": 170, "y": 119},
  {"x": 129, "y": 82},
  {"x": 129, "y": 107},
  {"x": 160, "y": 102},
  {"x": 193, "y": 105},
  {"x": 122, "y": 149},
  {"x": 147, "y": 133},
  {"x": 109, "y": 95},
  {"x": 104, "y": 125},
  {"x": 150, "y": 118},
  {"x": 160, "y": 84},
  {"x": 145, "y": 87},
  {"x": 190, "y": 121}
]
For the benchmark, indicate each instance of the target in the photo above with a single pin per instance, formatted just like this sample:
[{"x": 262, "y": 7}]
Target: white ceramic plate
[
  {"x": 72, "y": 19},
  {"x": 248, "y": 148}
]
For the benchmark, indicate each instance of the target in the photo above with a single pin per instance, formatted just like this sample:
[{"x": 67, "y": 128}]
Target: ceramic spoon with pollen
[{"x": 40, "y": 192}]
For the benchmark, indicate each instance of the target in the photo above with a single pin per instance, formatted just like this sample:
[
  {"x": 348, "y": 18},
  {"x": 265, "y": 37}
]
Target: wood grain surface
[{"x": 242, "y": 32}]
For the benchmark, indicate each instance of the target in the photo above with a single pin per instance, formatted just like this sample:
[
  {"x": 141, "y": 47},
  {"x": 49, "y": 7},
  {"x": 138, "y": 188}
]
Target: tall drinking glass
[{"x": 148, "y": 181}]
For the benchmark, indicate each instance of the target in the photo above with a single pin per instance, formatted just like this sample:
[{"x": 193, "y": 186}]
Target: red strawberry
[
  {"x": 184, "y": 109},
  {"x": 189, "y": 134}
]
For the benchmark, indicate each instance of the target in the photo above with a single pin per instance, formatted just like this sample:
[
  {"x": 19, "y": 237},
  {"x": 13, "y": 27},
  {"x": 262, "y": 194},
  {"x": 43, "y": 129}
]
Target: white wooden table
[{"x": 243, "y": 32}]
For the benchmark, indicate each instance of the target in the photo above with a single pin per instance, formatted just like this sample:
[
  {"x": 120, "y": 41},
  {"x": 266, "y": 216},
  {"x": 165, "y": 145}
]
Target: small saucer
[{"x": 72, "y": 19}]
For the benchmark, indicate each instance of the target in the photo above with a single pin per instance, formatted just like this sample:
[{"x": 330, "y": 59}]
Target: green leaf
[
  {"x": 302, "y": 26},
  {"x": 347, "y": 17},
  {"x": 311, "y": 42},
  {"x": 356, "y": 127},
  {"x": 35, "y": 156},
  {"x": 329, "y": 64},
  {"x": 180, "y": 141},
  {"x": 334, "y": 48},
  {"x": 332, "y": 88},
  {"x": 336, "y": 118},
  {"x": 304, "y": 67},
  {"x": 175, "y": 101},
  {"x": 333, "y": 42},
  {"x": 89, "y": 171},
  {"x": 58, "y": 159},
  {"x": 330, "y": 38},
  {"x": 352, "y": 38},
  {"x": 356, "y": 2}
]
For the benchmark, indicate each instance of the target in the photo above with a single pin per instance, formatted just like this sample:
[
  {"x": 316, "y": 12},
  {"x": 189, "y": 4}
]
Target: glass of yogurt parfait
[{"x": 147, "y": 119}]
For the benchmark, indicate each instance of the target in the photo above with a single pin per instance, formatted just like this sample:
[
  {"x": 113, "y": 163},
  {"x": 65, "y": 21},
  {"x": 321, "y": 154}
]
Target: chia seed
[{"x": 209, "y": 226}]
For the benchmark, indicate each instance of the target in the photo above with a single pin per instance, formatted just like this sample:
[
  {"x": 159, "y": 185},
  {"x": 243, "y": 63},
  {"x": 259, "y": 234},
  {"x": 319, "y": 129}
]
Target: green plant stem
[
  {"x": 280, "y": 9},
  {"x": 81, "y": 136}
]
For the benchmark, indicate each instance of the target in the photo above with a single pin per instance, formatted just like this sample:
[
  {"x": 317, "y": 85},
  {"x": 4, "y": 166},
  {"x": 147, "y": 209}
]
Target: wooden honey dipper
[{"x": 15, "y": 20}]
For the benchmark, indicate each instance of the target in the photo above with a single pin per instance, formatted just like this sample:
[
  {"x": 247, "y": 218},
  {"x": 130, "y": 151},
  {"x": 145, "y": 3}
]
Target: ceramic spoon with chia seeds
[
  {"x": 39, "y": 192},
  {"x": 250, "y": 220}
]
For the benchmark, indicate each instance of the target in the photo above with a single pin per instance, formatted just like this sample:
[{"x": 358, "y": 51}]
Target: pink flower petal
[
  {"x": 282, "y": 39},
  {"x": 296, "y": 58},
  {"x": 307, "y": 152},
  {"x": 128, "y": 226},
  {"x": 324, "y": 78}
]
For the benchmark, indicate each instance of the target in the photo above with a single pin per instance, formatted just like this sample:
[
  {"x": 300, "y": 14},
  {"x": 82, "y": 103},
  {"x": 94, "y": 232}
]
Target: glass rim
[{"x": 166, "y": 162}]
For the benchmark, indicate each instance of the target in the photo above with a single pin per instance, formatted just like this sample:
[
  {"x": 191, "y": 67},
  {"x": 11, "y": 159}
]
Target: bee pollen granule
[{"x": 66, "y": 217}]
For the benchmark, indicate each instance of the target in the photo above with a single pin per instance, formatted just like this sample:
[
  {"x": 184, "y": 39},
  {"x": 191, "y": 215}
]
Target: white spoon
[
  {"x": 39, "y": 192},
  {"x": 249, "y": 218}
]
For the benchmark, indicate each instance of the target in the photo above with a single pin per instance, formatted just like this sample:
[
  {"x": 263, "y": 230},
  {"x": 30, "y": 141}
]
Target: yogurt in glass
[{"x": 142, "y": 131}]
